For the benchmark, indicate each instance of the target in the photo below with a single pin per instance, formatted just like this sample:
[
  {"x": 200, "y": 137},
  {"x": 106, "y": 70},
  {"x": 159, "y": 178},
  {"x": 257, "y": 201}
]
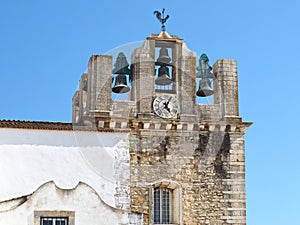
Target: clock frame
[{"x": 166, "y": 106}]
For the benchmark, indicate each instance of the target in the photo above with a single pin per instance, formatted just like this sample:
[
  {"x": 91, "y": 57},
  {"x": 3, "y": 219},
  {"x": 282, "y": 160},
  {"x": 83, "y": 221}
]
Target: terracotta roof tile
[
  {"x": 35, "y": 125},
  {"x": 42, "y": 125}
]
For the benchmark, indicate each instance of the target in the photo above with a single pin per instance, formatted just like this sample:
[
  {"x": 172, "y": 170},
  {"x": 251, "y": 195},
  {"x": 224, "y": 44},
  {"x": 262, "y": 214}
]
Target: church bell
[
  {"x": 121, "y": 68},
  {"x": 205, "y": 73},
  {"x": 121, "y": 84},
  {"x": 205, "y": 88},
  {"x": 163, "y": 77},
  {"x": 163, "y": 56}
]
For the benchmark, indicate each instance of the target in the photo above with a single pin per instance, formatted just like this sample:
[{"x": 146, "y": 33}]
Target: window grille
[
  {"x": 54, "y": 221},
  {"x": 162, "y": 206}
]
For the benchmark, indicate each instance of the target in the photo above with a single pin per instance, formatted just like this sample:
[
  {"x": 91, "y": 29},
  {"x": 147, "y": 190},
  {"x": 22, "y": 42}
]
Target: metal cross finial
[{"x": 162, "y": 19}]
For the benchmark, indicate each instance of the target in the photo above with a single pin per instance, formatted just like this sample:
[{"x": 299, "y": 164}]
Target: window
[
  {"x": 162, "y": 205},
  {"x": 166, "y": 203},
  {"x": 55, "y": 217},
  {"x": 54, "y": 220}
]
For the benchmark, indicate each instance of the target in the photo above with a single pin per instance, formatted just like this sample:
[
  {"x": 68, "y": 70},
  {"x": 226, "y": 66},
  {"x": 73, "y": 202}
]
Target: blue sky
[{"x": 45, "y": 47}]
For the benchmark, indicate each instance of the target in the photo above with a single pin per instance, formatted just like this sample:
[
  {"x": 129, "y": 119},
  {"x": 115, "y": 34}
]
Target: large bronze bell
[
  {"x": 121, "y": 84},
  {"x": 205, "y": 88},
  {"x": 163, "y": 56},
  {"x": 163, "y": 77}
]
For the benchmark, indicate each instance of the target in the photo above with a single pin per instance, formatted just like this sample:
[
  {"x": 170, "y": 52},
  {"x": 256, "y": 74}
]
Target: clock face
[{"x": 166, "y": 106}]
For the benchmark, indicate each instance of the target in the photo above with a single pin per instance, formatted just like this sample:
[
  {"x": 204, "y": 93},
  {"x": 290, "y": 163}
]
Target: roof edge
[{"x": 43, "y": 125}]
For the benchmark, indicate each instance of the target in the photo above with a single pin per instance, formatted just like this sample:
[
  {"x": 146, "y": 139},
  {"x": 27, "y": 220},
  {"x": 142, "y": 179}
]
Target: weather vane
[{"x": 162, "y": 19}]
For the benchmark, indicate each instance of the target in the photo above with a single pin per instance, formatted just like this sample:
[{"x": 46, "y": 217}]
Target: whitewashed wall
[
  {"x": 83, "y": 200},
  {"x": 32, "y": 158}
]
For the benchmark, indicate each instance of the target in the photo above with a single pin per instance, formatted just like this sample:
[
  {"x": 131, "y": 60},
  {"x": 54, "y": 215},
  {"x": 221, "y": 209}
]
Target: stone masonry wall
[
  {"x": 226, "y": 87},
  {"x": 208, "y": 165}
]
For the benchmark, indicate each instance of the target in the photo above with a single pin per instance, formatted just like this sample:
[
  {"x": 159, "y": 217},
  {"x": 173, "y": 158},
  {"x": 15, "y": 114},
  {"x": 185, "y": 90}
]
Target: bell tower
[
  {"x": 163, "y": 67},
  {"x": 187, "y": 161}
]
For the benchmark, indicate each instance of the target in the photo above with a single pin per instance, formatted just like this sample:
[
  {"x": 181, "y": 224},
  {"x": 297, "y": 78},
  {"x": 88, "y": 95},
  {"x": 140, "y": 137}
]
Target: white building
[{"x": 62, "y": 175}]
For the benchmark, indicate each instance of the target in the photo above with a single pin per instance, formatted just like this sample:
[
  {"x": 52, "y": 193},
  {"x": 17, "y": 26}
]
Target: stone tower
[{"x": 187, "y": 161}]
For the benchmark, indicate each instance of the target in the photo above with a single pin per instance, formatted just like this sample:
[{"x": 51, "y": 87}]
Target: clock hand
[
  {"x": 169, "y": 100},
  {"x": 166, "y": 106}
]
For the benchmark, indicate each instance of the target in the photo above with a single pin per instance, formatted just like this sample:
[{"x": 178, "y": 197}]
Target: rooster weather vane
[{"x": 162, "y": 19}]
